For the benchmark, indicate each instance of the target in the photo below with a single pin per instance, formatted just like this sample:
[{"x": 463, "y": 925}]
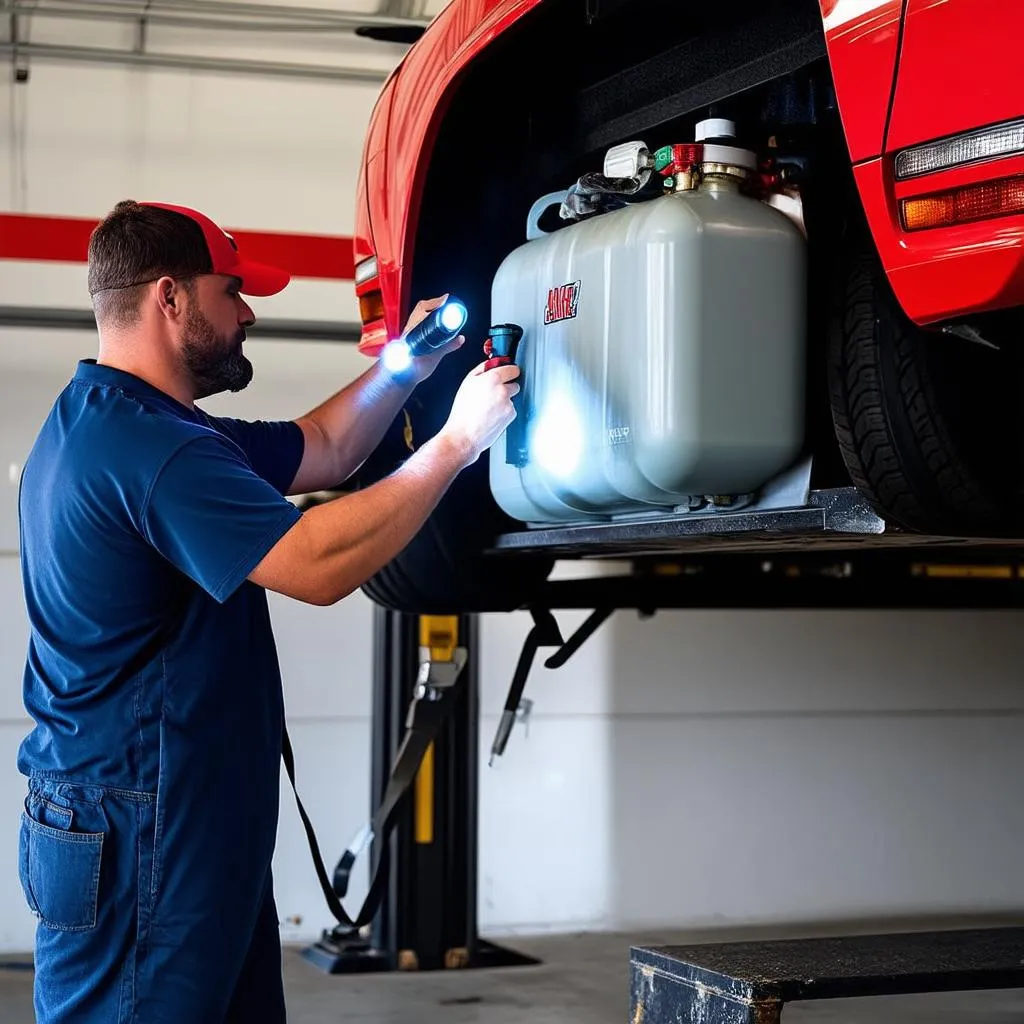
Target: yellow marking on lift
[
  {"x": 425, "y": 799},
  {"x": 440, "y": 635},
  {"x": 964, "y": 572}
]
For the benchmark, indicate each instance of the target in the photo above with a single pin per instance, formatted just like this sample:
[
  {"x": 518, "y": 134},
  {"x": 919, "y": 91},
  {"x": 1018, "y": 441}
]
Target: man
[{"x": 150, "y": 533}]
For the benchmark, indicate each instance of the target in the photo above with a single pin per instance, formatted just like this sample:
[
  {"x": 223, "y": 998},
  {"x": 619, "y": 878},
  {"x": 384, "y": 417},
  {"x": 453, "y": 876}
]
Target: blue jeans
[{"x": 115, "y": 942}]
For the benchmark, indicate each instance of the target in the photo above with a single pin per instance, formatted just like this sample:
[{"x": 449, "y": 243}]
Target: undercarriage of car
[{"x": 908, "y": 435}]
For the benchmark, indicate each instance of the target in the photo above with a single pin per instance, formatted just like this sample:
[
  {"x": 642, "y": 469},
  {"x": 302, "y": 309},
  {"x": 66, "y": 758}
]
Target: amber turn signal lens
[
  {"x": 371, "y": 307},
  {"x": 958, "y": 206}
]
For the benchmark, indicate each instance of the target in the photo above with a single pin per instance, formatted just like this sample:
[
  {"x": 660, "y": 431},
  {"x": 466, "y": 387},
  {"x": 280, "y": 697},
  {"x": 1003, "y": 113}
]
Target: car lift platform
[
  {"x": 831, "y": 519},
  {"x": 749, "y": 982}
]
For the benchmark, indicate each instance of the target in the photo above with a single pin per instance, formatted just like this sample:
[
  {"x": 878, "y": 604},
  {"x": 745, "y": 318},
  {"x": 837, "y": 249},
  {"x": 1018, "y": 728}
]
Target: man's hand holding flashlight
[
  {"x": 482, "y": 409},
  {"x": 422, "y": 366}
]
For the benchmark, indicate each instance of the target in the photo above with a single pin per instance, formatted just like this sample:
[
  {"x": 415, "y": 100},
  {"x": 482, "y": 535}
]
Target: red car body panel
[
  {"x": 371, "y": 218},
  {"x": 949, "y": 67},
  {"x": 951, "y": 272},
  {"x": 416, "y": 97},
  {"x": 958, "y": 69},
  {"x": 862, "y": 37}
]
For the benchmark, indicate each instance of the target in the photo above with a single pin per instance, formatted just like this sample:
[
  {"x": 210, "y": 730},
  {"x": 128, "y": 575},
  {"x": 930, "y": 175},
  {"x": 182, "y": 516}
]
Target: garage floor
[{"x": 582, "y": 980}]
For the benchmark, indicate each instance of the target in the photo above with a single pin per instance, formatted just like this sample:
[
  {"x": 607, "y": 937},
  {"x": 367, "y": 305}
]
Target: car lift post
[{"x": 427, "y": 919}]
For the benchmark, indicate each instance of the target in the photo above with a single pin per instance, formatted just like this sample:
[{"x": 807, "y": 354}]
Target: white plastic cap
[
  {"x": 715, "y": 154},
  {"x": 626, "y": 160},
  {"x": 714, "y": 128}
]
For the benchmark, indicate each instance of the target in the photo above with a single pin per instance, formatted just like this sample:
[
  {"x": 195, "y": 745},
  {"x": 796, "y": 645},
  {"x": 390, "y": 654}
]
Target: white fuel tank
[{"x": 662, "y": 356}]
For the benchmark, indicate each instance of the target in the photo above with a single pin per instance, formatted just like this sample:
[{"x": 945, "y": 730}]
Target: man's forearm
[
  {"x": 338, "y": 545},
  {"x": 353, "y": 421}
]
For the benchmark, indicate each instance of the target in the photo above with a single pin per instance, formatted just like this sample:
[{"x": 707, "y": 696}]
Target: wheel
[{"x": 927, "y": 423}]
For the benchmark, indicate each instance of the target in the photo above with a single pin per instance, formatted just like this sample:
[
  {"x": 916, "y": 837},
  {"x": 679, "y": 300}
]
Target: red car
[{"x": 888, "y": 133}]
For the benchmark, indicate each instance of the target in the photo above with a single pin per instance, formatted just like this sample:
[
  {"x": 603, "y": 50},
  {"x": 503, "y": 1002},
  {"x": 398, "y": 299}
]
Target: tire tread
[{"x": 888, "y": 425}]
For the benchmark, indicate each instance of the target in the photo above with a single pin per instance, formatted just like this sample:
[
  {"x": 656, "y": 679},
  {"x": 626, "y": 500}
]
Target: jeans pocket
[{"x": 60, "y": 874}]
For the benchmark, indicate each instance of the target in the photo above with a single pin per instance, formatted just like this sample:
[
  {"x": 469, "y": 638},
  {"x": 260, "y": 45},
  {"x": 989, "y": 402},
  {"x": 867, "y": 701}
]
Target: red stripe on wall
[
  {"x": 66, "y": 240},
  {"x": 322, "y": 256},
  {"x": 60, "y": 239}
]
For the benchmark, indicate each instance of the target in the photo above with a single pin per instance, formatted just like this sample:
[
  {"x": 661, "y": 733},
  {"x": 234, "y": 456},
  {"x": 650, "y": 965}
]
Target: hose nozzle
[{"x": 501, "y": 344}]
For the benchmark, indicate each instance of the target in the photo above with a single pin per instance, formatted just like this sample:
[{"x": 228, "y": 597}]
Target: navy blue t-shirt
[{"x": 151, "y": 660}]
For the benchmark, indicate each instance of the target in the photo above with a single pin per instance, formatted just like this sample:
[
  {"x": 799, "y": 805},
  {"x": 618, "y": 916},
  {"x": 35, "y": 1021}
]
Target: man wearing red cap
[{"x": 150, "y": 534}]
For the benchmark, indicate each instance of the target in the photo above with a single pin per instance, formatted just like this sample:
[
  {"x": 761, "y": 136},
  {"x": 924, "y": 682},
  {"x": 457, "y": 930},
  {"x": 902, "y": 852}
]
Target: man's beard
[{"x": 215, "y": 364}]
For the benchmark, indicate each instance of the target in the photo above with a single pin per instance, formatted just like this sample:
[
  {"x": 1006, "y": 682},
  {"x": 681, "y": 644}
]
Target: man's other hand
[{"x": 482, "y": 408}]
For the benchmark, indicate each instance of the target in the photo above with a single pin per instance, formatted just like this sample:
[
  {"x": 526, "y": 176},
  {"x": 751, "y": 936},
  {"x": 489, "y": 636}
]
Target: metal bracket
[
  {"x": 545, "y": 633},
  {"x": 523, "y": 713},
  {"x": 579, "y": 638},
  {"x": 436, "y": 678}
]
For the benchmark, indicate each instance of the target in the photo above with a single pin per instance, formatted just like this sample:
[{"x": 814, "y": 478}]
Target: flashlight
[{"x": 433, "y": 332}]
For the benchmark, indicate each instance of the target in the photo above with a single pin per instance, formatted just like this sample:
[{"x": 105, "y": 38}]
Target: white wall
[
  {"x": 702, "y": 768},
  {"x": 708, "y": 768}
]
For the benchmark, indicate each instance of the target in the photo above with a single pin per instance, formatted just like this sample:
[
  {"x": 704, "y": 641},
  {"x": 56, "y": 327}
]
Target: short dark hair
[{"x": 135, "y": 245}]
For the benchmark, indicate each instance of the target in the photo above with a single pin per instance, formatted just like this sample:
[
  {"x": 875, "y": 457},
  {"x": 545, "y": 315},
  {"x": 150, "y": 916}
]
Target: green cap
[{"x": 662, "y": 158}]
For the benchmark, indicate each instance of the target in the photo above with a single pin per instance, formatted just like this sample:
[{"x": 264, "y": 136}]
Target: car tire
[{"x": 927, "y": 423}]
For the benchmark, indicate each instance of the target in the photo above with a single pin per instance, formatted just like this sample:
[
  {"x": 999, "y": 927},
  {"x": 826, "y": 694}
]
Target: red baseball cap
[{"x": 257, "y": 278}]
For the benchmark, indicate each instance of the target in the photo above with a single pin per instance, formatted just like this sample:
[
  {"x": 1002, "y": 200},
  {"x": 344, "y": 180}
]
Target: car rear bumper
[{"x": 940, "y": 274}]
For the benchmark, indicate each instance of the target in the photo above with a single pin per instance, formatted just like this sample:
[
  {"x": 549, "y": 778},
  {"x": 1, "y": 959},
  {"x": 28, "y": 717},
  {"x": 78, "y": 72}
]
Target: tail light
[
  {"x": 371, "y": 307},
  {"x": 972, "y": 147},
  {"x": 373, "y": 336},
  {"x": 960, "y": 205},
  {"x": 366, "y": 271}
]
